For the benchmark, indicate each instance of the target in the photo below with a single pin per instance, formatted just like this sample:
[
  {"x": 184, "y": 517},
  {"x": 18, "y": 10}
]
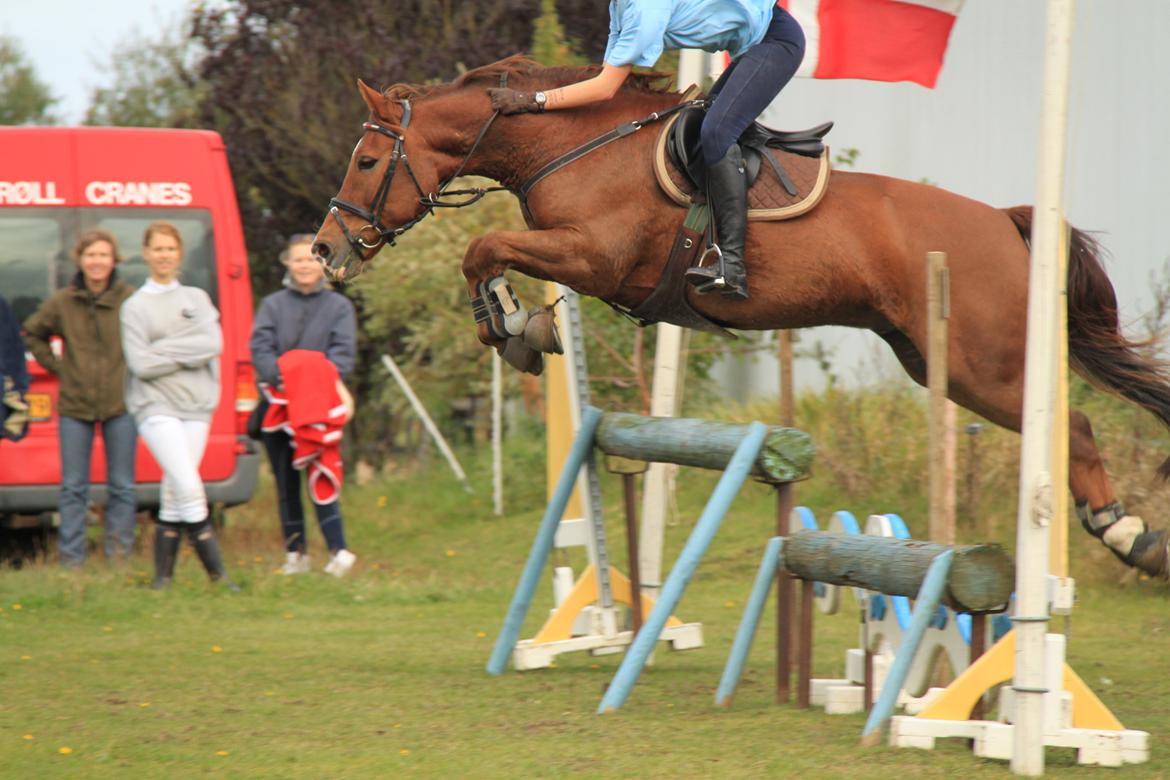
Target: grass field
[{"x": 381, "y": 674}]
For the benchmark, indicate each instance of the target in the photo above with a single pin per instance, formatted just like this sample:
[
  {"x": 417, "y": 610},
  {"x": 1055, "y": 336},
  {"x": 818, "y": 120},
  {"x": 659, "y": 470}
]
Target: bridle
[{"x": 378, "y": 233}]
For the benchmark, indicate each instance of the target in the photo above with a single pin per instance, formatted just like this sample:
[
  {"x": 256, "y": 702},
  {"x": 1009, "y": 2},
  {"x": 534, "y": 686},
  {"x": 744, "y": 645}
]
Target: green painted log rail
[
  {"x": 786, "y": 456},
  {"x": 981, "y": 577}
]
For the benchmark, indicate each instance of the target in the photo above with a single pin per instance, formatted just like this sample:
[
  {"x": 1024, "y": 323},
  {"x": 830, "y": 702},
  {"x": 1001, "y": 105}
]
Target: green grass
[{"x": 382, "y": 674}]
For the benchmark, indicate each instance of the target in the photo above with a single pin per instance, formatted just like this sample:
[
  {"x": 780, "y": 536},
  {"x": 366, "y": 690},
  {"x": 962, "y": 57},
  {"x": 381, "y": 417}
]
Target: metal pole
[
  {"x": 925, "y": 607},
  {"x": 742, "y": 645},
  {"x": 432, "y": 429},
  {"x": 497, "y": 434},
  {"x": 543, "y": 543}
]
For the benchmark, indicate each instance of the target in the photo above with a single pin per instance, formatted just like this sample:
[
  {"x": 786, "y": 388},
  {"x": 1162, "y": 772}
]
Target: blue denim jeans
[
  {"x": 288, "y": 499},
  {"x": 120, "y": 435},
  {"x": 750, "y": 83}
]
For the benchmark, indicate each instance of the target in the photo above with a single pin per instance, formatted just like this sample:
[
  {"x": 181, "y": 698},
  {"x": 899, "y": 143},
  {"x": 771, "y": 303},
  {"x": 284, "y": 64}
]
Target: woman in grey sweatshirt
[{"x": 172, "y": 342}]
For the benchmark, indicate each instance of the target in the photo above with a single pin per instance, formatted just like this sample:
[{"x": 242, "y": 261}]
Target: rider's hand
[{"x": 509, "y": 101}]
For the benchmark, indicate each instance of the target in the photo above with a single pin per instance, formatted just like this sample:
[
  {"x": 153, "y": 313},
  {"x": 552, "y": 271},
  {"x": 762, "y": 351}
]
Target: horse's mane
[{"x": 523, "y": 67}]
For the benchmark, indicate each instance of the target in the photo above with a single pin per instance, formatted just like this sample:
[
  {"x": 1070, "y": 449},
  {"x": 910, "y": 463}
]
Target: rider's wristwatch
[{"x": 540, "y": 99}]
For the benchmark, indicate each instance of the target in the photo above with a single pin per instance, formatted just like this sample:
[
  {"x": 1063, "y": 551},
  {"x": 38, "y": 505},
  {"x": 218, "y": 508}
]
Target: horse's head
[{"x": 385, "y": 191}]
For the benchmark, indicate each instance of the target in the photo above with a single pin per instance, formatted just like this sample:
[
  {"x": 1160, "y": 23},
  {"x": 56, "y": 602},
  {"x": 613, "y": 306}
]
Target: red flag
[{"x": 879, "y": 40}]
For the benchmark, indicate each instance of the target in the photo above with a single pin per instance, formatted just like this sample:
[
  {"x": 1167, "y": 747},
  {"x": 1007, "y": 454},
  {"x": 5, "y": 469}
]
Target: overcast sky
[{"x": 68, "y": 40}]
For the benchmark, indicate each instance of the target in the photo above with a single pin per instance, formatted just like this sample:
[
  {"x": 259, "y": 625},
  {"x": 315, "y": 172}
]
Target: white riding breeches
[{"x": 178, "y": 447}]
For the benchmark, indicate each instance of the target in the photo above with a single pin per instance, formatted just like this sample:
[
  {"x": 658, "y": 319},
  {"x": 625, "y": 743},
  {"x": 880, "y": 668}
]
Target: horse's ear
[{"x": 374, "y": 99}]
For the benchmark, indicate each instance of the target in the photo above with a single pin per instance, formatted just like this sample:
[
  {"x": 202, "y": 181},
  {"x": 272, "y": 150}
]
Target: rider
[{"x": 766, "y": 45}]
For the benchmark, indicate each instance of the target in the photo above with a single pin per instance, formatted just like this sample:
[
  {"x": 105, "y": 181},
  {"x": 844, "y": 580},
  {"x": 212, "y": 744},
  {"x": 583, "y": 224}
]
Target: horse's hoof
[
  {"x": 1151, "y": 553},
  {"x": 541, "y": 331},
  {"x": 522, "y": 357}
]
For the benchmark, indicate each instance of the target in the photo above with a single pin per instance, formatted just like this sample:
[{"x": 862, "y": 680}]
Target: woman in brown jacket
[{"x": 92, "y": 373}]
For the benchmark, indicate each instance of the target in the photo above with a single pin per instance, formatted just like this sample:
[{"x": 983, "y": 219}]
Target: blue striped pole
[
  {"x": 751, "y": 620},
  {"x": 543, "y": 543},
  {"x": 925, "y": 607},
  {"x": 639, "y": 650}
]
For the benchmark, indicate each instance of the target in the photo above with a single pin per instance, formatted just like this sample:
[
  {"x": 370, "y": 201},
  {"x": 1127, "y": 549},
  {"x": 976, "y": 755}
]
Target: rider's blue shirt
[{"x": 639, "y": 30}]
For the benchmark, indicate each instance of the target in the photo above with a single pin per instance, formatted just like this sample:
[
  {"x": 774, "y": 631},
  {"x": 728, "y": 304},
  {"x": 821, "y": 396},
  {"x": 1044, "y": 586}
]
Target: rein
[
  {"x": 431, "y": 201},
  {"x": 629, "y": 128}
]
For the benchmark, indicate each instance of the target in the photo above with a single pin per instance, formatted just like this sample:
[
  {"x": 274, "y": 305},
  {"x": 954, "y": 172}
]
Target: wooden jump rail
[
  {"x": 975, "y": 579},
  {"x": 981, "y": 576},
  {"x": 772, "y": 454}
]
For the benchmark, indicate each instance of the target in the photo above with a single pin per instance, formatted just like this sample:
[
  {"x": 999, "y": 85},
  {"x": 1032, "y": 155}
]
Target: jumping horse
[{"x": 603, "y": 227}]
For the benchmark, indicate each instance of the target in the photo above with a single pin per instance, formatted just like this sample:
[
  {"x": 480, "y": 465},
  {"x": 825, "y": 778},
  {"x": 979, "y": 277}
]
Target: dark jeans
[
  {"x": 120, "y": 435},
  {"x": 288, "y": 499},
  {"x": 750, "y": 83}
]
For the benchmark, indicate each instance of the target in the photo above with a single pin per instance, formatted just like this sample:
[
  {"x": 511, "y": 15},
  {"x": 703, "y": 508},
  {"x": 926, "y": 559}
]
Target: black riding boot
[
  {"x": 207, "y": 548},
  {"x": 167, "y": 539},
  {"x": 727, "y": 197}
]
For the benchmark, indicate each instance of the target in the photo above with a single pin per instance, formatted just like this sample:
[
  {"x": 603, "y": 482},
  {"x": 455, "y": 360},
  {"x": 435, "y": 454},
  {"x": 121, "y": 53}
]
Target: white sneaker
[
  {"x": 295, "y": 563},
  {"x": 340, "y": 563}
]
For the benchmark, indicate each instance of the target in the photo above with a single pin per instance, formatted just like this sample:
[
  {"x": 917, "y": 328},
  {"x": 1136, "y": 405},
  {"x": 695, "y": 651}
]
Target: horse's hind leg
[
  {"x": 1101, "y": 514},
  {"x": 1127, "y": 536}
]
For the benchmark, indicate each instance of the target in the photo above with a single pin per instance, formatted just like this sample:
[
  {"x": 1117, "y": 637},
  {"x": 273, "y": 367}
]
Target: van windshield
[{"x": 36, "y": 253}]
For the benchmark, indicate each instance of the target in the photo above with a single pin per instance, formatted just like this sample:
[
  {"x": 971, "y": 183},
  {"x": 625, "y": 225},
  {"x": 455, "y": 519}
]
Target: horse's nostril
[{"x": 322, "y": 250}]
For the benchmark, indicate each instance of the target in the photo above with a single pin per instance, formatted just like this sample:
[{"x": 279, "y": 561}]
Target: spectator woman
[
  {"x": 305, "y": 315},
  {"x": 172, "y": 341},
  {"x": 92, "y": 374}
]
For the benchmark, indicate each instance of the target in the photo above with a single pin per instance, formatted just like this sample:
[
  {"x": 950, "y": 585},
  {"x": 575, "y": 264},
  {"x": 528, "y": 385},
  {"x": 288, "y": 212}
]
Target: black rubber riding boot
[
  {"x": 166, "y": 551},
  {"x": 207, "y": 548},
  {"x": 727, "y": 196}
]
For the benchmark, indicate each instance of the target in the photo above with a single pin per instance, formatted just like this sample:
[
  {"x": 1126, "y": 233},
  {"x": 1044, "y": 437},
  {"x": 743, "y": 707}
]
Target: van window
[
  {"x": 35, "y": 241},
  {"x": 36, "y": 254}
]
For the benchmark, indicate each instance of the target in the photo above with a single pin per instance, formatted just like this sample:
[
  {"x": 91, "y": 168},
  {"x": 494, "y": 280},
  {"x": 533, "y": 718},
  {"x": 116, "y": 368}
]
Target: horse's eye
[{"x": 366, "y": 163}]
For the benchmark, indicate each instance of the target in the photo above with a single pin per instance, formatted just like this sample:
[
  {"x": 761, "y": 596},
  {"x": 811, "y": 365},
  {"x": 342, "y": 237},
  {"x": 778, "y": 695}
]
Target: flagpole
[{"x": 1036, "y": 484}]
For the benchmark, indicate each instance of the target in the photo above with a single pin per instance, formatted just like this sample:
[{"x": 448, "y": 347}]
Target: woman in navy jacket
[{"x": 304, "y": 315}]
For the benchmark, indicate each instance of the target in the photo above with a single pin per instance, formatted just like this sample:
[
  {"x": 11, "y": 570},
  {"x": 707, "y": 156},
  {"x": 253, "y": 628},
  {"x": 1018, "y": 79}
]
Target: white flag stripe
[{"x": 805, "y": 12}]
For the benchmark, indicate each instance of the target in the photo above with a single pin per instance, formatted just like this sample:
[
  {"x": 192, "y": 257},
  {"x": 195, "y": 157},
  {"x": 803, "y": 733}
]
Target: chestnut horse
[{"x": 602, "y": 226}]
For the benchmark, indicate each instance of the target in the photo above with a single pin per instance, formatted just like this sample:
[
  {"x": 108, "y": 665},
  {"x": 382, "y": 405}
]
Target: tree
[
  {"x": 279, "y": 79},
  {"x": 153, "y": 83},
  {"x": 24, "y": 98},
  {"x": 586, "y": 25}
]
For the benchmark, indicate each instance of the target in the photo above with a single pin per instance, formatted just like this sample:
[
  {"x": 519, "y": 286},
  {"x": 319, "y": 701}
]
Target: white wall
[{"x": 976, "y": 133}]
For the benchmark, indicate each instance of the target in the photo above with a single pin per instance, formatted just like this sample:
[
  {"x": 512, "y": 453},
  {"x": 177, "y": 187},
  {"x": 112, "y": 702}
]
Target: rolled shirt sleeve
[{"x": 637, "y": 29}]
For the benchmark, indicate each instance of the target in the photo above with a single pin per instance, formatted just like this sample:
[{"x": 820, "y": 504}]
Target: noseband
[{"x": 378, "y": 233}]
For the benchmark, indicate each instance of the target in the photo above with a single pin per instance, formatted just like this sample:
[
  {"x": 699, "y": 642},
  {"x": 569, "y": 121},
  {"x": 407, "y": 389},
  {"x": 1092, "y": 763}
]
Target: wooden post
[
  {"x": 784, "y": 605},
  {"x": 804, "y": 655},
  {"x": 787, "y": 384},
  {"x": 942, "y": 435},
  {"x": 978, "y": 640},
  {"x": 630, "y": 491}
]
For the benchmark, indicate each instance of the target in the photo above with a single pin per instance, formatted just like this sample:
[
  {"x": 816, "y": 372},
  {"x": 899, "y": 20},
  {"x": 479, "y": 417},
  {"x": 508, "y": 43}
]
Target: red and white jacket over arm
[{"x": 312, "y": 411}]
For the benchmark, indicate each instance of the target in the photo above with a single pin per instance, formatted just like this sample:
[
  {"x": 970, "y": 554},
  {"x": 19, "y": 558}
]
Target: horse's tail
[{"x": 1097, "y": 349}]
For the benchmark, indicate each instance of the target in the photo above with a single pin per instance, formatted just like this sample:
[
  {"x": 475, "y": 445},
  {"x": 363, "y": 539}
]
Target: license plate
[{"x": 40, "y": 406}]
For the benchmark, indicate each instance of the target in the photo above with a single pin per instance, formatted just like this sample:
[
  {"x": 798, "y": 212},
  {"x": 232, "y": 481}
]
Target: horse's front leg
[{"x": 501, "y": 320}]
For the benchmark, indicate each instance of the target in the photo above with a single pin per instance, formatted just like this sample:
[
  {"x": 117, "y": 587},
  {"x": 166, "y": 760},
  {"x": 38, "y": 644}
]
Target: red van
[{"x": 57, "y": 182}]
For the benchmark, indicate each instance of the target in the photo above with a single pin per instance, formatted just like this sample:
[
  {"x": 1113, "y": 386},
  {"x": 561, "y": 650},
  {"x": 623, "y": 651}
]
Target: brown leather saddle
[{"x": 788, "y": 174}]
